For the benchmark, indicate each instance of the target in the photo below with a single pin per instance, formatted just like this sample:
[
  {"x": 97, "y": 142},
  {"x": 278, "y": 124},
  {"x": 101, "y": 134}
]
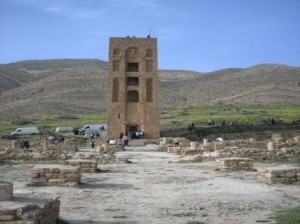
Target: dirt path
[{"x": 152, "y": 190}]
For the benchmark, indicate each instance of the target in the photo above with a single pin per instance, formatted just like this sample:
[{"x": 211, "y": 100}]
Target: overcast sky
[{"x": 199, "y": 35}]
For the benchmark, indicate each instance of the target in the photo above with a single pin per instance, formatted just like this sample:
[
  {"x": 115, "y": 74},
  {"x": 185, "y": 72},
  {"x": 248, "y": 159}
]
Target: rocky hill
[{"x": 79, "y": 86}]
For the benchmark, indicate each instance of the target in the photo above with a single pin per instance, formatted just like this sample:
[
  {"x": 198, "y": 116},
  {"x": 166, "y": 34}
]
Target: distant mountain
[{"x": 79, "y": 86}]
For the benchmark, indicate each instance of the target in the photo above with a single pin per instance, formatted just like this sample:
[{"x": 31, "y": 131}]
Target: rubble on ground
[
  {"x": 20, "y": 209},
  {"x": 275, "y": 149}
]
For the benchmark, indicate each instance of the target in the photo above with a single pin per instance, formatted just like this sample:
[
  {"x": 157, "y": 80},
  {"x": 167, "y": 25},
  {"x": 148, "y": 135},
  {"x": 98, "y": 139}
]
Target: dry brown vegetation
[{"x": 79, "y": 86}]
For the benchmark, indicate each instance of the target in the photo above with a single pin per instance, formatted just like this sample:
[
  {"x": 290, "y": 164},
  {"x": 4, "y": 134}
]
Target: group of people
[
  {"x": 124, "y": 138},
  {"x": 135, "y": 134}
]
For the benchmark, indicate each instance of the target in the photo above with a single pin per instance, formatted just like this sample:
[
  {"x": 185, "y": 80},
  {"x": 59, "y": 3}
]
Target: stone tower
[{"x": 132, "y": 99}]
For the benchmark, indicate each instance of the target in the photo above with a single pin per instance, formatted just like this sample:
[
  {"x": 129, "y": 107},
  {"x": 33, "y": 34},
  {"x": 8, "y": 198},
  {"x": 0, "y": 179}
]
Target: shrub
[{"x": 291, "y": 216}]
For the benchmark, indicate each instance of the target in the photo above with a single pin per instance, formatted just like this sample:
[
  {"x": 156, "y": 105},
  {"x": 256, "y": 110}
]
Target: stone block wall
[
  {"x": 6, "y": 191},
  {"x": 282, "y": 175},
  {"x": 219, "y": 146},
  {"x": 29, "y": 211},
  {"x": 235, "y": 164},
  {"x": 85, "y": 165},
  {"x": 23, "y": 210},
  {"x": 55, "y": 175}
]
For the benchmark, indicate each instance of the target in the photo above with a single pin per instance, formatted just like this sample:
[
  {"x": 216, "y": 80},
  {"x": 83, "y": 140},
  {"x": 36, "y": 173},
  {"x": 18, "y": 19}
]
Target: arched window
[
  {"x": 115, "y": 90},
  {"x": 149, "y": 53},
  {"x": 149, "y": 90},
  {"x": 148, "y": 66},
  {"x": 133, "y": 96},
  {"x": 116, "y": 65}
]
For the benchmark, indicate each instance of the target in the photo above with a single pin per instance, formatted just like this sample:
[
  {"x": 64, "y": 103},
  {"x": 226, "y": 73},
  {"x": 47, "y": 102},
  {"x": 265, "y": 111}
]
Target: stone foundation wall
[
  {"x": 6, "y": 191},
  {"x": 283, "y": 175},
  {"x": 284, "y": 149},
  {"x": 85, "y": 165},
  {"x": 29, "y": 211},
  {"x": 23, "y": 210},
  {"x": 54, "y": 151},
  {"x": 235, "y": 164},
  {"x": 55, "y": 175}
]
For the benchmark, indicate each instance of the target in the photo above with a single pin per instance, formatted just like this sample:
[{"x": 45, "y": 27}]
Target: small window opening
[
  {"x": 149, "y": 53},
  {"x": 132, "y": 67},
  {"x": 132, "y": 81}
]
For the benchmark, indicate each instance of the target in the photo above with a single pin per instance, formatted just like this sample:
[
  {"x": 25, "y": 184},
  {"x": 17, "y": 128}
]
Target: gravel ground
[{"x": 152, "y": 189}]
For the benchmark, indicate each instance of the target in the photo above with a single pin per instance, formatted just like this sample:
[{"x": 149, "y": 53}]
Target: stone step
[{"x": 136, "y": 142}]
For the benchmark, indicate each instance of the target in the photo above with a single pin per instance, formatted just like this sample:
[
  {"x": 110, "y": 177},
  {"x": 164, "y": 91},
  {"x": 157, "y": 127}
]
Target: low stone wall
[
  {"x": 219, "y": 146},
  {"x": 85, "y": 165},
  {"x": 23, "y": 210},
  {"x": 6, "y": 191},
  {"x": 29, "y": 211},
  {"x": 235, "y": 164},
  {"x": 136, "y": 142},
  {"x": 177, "y": 150},
  {"x": 281, "y": 174},
  {"x": 60, "y": 175},
  {"x": 190, "y": 152}
]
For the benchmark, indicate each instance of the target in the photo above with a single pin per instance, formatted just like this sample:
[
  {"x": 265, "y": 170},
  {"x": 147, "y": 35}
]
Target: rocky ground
[{"x": 150, "y": 188}]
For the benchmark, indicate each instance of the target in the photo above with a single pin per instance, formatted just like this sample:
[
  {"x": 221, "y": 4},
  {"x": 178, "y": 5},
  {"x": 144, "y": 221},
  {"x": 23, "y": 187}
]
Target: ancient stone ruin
[
  {"x": 24, "y": 210},
  {"x": 280, "y": 174},
  {"x": 49, "y": 174},
  {"x": 234, "y": 163},
  {"x": 85, "y": 165}
]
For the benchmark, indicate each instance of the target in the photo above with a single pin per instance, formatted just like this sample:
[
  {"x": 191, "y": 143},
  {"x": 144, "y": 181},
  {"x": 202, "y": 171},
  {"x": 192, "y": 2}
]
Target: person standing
[
  {"x": 123, "y": 143},
  {"x": 126, "y": 139},
  {"x": 46, "y": 143}
]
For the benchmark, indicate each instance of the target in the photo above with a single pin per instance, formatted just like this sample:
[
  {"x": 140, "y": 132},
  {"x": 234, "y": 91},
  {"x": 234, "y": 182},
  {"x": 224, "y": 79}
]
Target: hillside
[{"x": 79, "y": 86}]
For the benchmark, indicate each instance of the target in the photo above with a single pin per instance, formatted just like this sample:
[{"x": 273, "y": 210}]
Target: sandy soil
[{"x": 153, "y": 190}]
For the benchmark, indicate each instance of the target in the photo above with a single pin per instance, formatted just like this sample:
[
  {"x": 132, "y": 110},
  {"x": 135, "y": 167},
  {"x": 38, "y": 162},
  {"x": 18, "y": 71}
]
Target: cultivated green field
[
  {"x": 241, "y": 114},
  {"x": 169, "y": 118}
]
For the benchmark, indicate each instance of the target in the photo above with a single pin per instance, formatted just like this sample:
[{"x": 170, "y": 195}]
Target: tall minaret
[{"x": 132, "y": 98}]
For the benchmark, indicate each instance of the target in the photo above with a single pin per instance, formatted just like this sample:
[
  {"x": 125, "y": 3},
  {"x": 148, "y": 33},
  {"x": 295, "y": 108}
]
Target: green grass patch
[
  {"x": 170, "y": 118},
  {"x": 177, "y": 117},
  {"x": 291, "y": 216},
  {"x": 50, "y": 122}
]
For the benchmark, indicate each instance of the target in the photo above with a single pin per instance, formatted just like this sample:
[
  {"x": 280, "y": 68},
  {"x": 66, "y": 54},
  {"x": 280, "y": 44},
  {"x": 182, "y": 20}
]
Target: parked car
[
  {"x": 64, "y": 130},
  {"x": 92, "y": 127},
  {"x": 25, "y": 131}
]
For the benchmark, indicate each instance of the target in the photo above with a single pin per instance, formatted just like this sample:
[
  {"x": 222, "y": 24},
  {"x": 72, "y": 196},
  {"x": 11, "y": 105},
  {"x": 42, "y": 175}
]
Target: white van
[
  {"x": 64, "y": 130},
  {"x": 92, "y": 127},
  {"x": 26, "y": 131}
]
